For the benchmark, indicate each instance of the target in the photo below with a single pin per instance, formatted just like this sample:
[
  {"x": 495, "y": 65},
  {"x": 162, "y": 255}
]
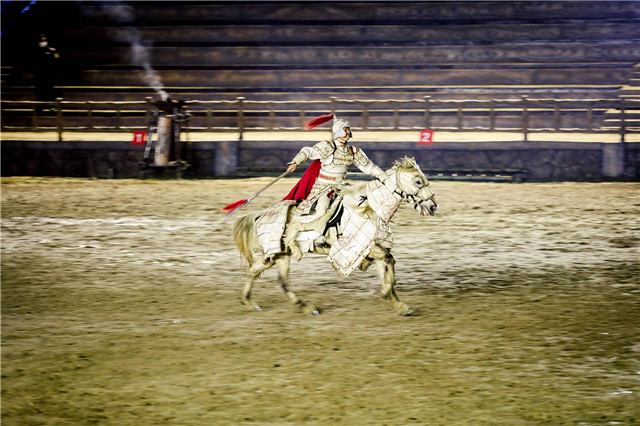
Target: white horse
[{"x": 356, "y": 229}]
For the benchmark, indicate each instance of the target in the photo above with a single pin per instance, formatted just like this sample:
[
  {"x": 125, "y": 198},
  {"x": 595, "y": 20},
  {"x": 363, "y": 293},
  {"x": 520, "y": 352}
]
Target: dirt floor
[{"x": 120, "y": 306}]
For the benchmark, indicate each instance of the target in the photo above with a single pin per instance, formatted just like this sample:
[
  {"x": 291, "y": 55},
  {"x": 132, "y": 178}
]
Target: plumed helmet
[{"x": 338, "y": 128}]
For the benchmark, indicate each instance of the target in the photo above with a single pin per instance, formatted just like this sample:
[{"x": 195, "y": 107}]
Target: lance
[{"x": 240, "y": 204}]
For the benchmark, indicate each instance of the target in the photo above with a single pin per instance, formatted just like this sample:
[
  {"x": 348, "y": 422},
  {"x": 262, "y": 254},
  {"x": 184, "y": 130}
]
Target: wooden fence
[{"x": 523, "y": 115}]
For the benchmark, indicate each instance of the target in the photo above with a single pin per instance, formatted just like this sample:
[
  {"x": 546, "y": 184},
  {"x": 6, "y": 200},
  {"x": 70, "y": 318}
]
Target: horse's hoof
[
  {"x": 252, "y": 306},
  {"x": 404, "y": 310},
  {"x": 310, "y": 310}
]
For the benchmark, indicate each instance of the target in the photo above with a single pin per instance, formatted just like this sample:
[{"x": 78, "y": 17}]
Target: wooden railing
[{"x": 524, "y": 115}]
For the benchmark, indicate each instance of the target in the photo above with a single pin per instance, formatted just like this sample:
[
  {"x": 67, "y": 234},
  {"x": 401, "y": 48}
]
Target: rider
[
  {"x": 335, "y": 157},
  {"x": 324, "y": 177}
]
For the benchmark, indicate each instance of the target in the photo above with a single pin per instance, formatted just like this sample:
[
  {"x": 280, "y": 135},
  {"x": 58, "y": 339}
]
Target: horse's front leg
[
  {"x": 255, "y": 269},
  {"x": 283, "y": 263},
  {"x": 385, "y": 263}
]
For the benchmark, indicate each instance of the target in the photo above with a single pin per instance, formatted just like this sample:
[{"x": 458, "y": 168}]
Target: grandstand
[{"x": 455, "y": 66}]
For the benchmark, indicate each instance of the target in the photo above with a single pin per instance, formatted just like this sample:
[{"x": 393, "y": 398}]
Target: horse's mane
[{"x": 406, "y": 162}]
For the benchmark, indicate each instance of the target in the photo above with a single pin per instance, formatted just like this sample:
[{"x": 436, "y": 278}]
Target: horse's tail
[{"x": 244, "y": 234}]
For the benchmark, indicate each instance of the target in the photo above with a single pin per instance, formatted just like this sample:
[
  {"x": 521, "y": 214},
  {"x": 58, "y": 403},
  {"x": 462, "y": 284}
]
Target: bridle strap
[{"x": 406, "y": 195}]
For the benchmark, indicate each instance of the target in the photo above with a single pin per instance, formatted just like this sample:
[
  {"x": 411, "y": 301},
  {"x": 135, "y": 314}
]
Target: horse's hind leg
[
  {"x": 254, "y": 271},
  {"x": 282, "y": 263},
  {"x": 385, "y": 264}
]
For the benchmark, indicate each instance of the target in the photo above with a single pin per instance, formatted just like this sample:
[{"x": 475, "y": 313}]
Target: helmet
[{"x": 338, "y": 128}]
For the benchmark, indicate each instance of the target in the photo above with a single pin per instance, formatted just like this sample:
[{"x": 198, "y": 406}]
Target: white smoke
[{"x": 140, "y": 56}]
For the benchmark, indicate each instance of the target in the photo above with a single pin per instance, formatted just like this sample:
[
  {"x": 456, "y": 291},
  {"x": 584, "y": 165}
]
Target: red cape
[{"x": 303, "y": 187}]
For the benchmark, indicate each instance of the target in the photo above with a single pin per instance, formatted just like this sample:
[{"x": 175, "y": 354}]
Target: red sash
[{"x": 303, "y": 187}]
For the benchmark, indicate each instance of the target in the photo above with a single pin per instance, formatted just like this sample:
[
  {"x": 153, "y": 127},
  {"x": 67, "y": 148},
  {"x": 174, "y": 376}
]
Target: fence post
[
  {"x": 117, "y": 116},
  {"x": 492, "y": 112},
  {"x": 525, "y": 118},
  {"x": 90, "y": 115},
  {"x": 334, "y": 101},
  {"x": 556, "y": 115},
  {"x": 147, "y": 113},
  {"x": 427, "y": 112},
  {"x": 59, "y": 117},
  {"x": 34, "y": 122},
  {"x": 240, "y": 117},
  {"x": 623, "y": 123},
  {"x": 302, "y": 119},
  {"x": 590, "y": 117},
  {"x": 365, "y": 116},
  {"x": 209, "y": 118},
  {"x": 396, "y": 118},
  {"x": 272, "y": 117},
  {"x": 460, "y": 116}
]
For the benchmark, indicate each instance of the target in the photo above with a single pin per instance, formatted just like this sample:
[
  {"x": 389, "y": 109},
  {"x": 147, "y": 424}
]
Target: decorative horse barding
[{"x": 356, "y": 232}]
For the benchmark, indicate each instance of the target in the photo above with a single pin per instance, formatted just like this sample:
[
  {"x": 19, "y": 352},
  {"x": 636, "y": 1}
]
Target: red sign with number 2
[{"x": 426, "y": 137}]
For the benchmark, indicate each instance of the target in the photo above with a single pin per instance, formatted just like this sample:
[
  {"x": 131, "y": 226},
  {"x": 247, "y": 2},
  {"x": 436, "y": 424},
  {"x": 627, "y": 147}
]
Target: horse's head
[{"x": 414, "y": 186}]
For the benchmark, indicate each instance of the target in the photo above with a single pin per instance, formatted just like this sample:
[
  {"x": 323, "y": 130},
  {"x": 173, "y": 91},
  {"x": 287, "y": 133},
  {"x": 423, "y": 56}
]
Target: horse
[{"x": 354, "y": 232}]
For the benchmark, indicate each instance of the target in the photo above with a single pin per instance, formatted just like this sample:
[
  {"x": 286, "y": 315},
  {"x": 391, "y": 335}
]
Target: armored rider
[{"x": 335, "y": 157}]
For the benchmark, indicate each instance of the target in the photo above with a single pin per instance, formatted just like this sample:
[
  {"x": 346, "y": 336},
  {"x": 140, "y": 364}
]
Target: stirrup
[{"x": 321, "y": 242}]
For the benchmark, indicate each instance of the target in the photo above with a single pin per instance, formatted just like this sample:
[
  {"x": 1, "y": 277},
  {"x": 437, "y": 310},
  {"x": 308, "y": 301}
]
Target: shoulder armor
[
  {"x": 325, "y": 148},
  {"x": 359, "y": 155}
]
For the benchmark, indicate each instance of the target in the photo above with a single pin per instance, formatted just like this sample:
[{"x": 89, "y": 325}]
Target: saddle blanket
[{"x": 271, "y": 225}]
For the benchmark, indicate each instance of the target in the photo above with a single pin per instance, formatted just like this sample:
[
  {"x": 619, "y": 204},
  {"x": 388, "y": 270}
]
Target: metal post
[
  {"x": 492, "y": 112},
  {"x": 427, "y": 112},
  {"x": 460, "y": 116},
  {"x": 59, "y": 117},
  {"x": 525, "y": 118},
  {"x": 240, "y": 117},
  {"x": 623, "y": 123}
]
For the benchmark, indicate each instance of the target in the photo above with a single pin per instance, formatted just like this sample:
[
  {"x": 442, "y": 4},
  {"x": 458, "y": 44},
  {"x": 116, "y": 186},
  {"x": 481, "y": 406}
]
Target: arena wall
[{"x": 528, "y": 161}]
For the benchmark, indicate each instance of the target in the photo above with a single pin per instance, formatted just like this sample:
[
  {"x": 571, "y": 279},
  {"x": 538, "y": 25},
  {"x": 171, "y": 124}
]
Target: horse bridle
[{"x": 404, "y": 194}]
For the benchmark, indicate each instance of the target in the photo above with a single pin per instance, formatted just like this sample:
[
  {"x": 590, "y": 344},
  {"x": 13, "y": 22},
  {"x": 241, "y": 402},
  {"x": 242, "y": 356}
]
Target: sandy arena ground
[{"x": 120, "y": 307}]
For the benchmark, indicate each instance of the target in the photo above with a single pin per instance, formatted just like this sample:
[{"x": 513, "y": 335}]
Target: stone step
[
  {"x": 452, "y": 94},
  {"x": 116, "y": 94},
  {"x": 355, "y": 35},
  {"x": 448, "y": 119},
  {"x": 245, "y": 12},
  {"x": 625, "y": 53},
  {"x": 597, "y": 78}
]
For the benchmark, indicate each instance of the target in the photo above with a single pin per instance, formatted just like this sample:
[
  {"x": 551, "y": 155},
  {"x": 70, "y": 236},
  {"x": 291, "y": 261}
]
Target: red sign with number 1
[
  {"x": 426, "y": 137},
  {"x": 139, "y": 138}
]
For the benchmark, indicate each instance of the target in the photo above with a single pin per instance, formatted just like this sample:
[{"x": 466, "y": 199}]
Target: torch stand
[{"x": 168, "y": 153}]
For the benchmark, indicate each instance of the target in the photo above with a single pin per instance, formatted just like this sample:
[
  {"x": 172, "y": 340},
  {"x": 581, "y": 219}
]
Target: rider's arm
[
  {"x": 364, "y": 164},
  {"x": 306, "y": 153}
]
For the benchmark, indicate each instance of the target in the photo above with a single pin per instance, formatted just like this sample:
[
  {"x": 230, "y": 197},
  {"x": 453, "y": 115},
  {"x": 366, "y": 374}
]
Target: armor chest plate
[{"x": 342, "y": 158}]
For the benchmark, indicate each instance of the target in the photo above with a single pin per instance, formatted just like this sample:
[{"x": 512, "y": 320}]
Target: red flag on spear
[{"x": 308, "y": 178}]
